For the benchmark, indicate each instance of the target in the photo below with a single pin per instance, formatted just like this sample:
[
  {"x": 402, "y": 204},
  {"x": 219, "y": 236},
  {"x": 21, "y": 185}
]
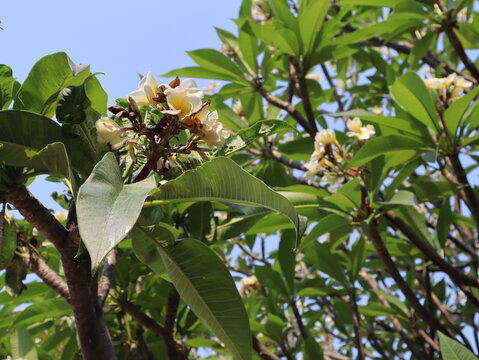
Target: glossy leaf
[
  {"x": 214, "y": 60},
  {"x": 8, "y": 86},
  {"x": 205, "y": 284},
  {"x": 42, "y": 311},
  {"x": 221, "y": 179},
  {"x": 410, "y": 92},
  {"x": 310, "y": 18},
  {"x": 107, "y": 209},
  {"x": 47, "y": 78},
  {"x": 245, "y": 137},
  {"x": 22, "y": 345},
  {"x": 452, "y": 350},
  {"x": 378, "y": 146}
]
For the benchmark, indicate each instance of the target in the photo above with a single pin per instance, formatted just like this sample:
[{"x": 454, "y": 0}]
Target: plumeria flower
[
  {"x": 207, "y": 126},
  {"x": 148, "y": 88},
  {"x": 332, "y": 178},
  {"x": 166, "y": 162},
  {"x": 326, "y": 137},
  {"x": 377, "y": 110},
  {"x": 184, "y": 99},
  {"x": 359, "y": 131},
  {"x": 108, "y": 131}
]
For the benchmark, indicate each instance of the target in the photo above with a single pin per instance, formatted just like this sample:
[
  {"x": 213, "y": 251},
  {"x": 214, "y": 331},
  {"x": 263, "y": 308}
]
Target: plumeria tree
[{"x": 321, "y": 204}]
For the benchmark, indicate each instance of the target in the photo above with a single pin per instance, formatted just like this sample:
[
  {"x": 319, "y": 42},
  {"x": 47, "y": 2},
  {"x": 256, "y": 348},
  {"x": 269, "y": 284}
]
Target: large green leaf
[
  {"x": 452, "y": 350},
  {"x": 8, "y": 86},
  {"x": 47, "y": 78},
  {"x": 107, "y": 209},
  {"x": 8, "y": 241},
  {"x": 382, "y": 145},
  {"x": 205, "y": 284},
  {"x": 246, "y": 136},
  {"x": 221, "y": 179},
  {"x": 22, "y": 345},
  {"x": 412, "y": 95},
  {"x": 311, "y": 16},
  {"x": 41, "y": 311},
  {"x": 216, "y": 61}
]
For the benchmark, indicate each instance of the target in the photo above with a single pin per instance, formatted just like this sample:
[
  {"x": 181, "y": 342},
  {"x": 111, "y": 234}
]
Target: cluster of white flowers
[
  {"x": 248, "y": 284},
  {"x": 325, "y": 158},
  {"x": 184, "y": 101},
  {"x": 451, "y": 87},
  {"x": 359, "y": 131},
  {"x": 118, "y": 137}
]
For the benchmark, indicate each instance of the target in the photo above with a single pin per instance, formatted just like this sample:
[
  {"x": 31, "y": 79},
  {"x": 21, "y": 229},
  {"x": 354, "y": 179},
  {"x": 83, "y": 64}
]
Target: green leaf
[
  {"x": 376, "y": 3},
  {"x": 221, "y": 179},
  {"x": 271, "y": 279},
  {"x": 313, "y": 350},
  {"x": 200, "y": 221},
  {"x": 311, "y": 16},
  {"x": 8, "y": 86},
  {"x": 381, "y": 145},
  {"x": 201, "y": 73},
  {"x": 47, "y": 78},
  {"x": 71, "y": 105},
  {"x": 107, "y": 209},
  {"x": 246, "y": 136},
  {"x": 22, "y": 345},
  {"x": 41, "y": 311},
  {"x": 327, "y": 224},
  {"x": 402, "y": 197},
  {"x": 452, "y": 350},
  {"x": 22, "y": 132},
  {"x": 214, "y": 60},
  {"x": 410, "y": 92},
  {"x": 443, "y": 223},
  {"x": 458, "y": 111},
  {"x": 206, "y": 286},
  {"x": 376, "y": 309},
  {"x": 329, "y": 262},
  {"x": 8, "y": 241},
  {"x": 404, "y": 125}
]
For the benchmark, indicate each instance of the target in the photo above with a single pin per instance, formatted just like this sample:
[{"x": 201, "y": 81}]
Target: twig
[
  {"x": 459, "y": 50},
  {"x": 288, "y": 107},
  {"x": 403, "y": 286},
  {"x": 299, "y": 320},
  {"x": 36, "y": 265},
  {"x": 263, "y": 351},
  {"x": 456, "y": 275},
  {"x": 356, "y": 323},
  {"x": 304, "y": 92},
  {"x": 107, "y": 275}
]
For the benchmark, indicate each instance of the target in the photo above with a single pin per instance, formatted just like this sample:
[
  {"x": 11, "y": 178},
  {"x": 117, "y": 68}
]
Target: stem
[
  {"x": 356, "y": 323},
  {"x": 405, "y": 289},
  {"x": 459, "y": 50},
  {"x": 303, "y": 90},
  {"x": 107, "y": 275},
  {"x": 263, "y": 351}
]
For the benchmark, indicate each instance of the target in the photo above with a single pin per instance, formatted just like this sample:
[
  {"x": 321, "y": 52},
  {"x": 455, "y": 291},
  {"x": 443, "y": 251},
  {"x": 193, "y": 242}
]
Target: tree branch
[
  {"x": 107, "y": 275},
  {"x": 459, "y": 50},
  {"x": 263, "y": 351},
  {"x": 403, "y": 286},
  {"x": 288, "y": 107},
  {"x": 76, "y": 276},
  {"x": 356, "y": 323},
  {"x": 304, "y": 92},
  {"x": 455, "y": 274},
  {"x": 38, "y": 266}
]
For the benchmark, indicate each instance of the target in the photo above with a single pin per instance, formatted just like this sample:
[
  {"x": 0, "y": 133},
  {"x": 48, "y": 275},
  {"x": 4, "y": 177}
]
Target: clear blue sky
[{"x": 119, "y": 38}]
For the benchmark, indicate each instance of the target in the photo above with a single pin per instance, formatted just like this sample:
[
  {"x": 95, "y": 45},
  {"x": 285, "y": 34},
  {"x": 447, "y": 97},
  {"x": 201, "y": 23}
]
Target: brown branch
[
  {"x": 457, "y": 276},
  {"x": 38, "y": 266},
  {"x": 174, "y": 350},
  {"x": 172, "y": 308},
  {"x": 385, "y": 257},
  {"x": 467, "y": 193},
  {"x": 356, "y": 323},
  {"x": 107, "y": 275},
  {"x": 263, "y": 351},
  {"x": 459, "y": 50},
  {"x": 304, "y": 92},
  {"x": 331, "y": 85},
  {"x": 288, "y": 107},
  {"x": 397, "y": 325},
  {"x": 75, "y": 273},
  {"x": 299, "y": 320}
]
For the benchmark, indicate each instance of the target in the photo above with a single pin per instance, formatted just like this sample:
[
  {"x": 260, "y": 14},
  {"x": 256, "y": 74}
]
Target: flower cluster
[
  {"x": 326, "y": 158},
  {"x": 247, "y": 285},
  {"x": 450, "y": 88},
  {"x": 179, "y": 105}
]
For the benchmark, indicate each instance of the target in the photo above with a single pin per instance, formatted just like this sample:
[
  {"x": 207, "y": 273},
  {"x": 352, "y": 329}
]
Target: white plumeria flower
[
  {"x": 148, "y": 88},
  {"x": 326, "y": 137},
  {"x": 359, "y": 131},
  {"x": 184, "y": 99},
  {"x": 108, "y": 131},
  {"x": 377, "y": 110},
  {"x": 332, "y": 178},
  {"x": 169, "y": 163}
]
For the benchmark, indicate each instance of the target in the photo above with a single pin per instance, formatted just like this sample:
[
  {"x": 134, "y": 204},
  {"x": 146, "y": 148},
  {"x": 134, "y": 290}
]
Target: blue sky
[{"x": 118, "y": 38}]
